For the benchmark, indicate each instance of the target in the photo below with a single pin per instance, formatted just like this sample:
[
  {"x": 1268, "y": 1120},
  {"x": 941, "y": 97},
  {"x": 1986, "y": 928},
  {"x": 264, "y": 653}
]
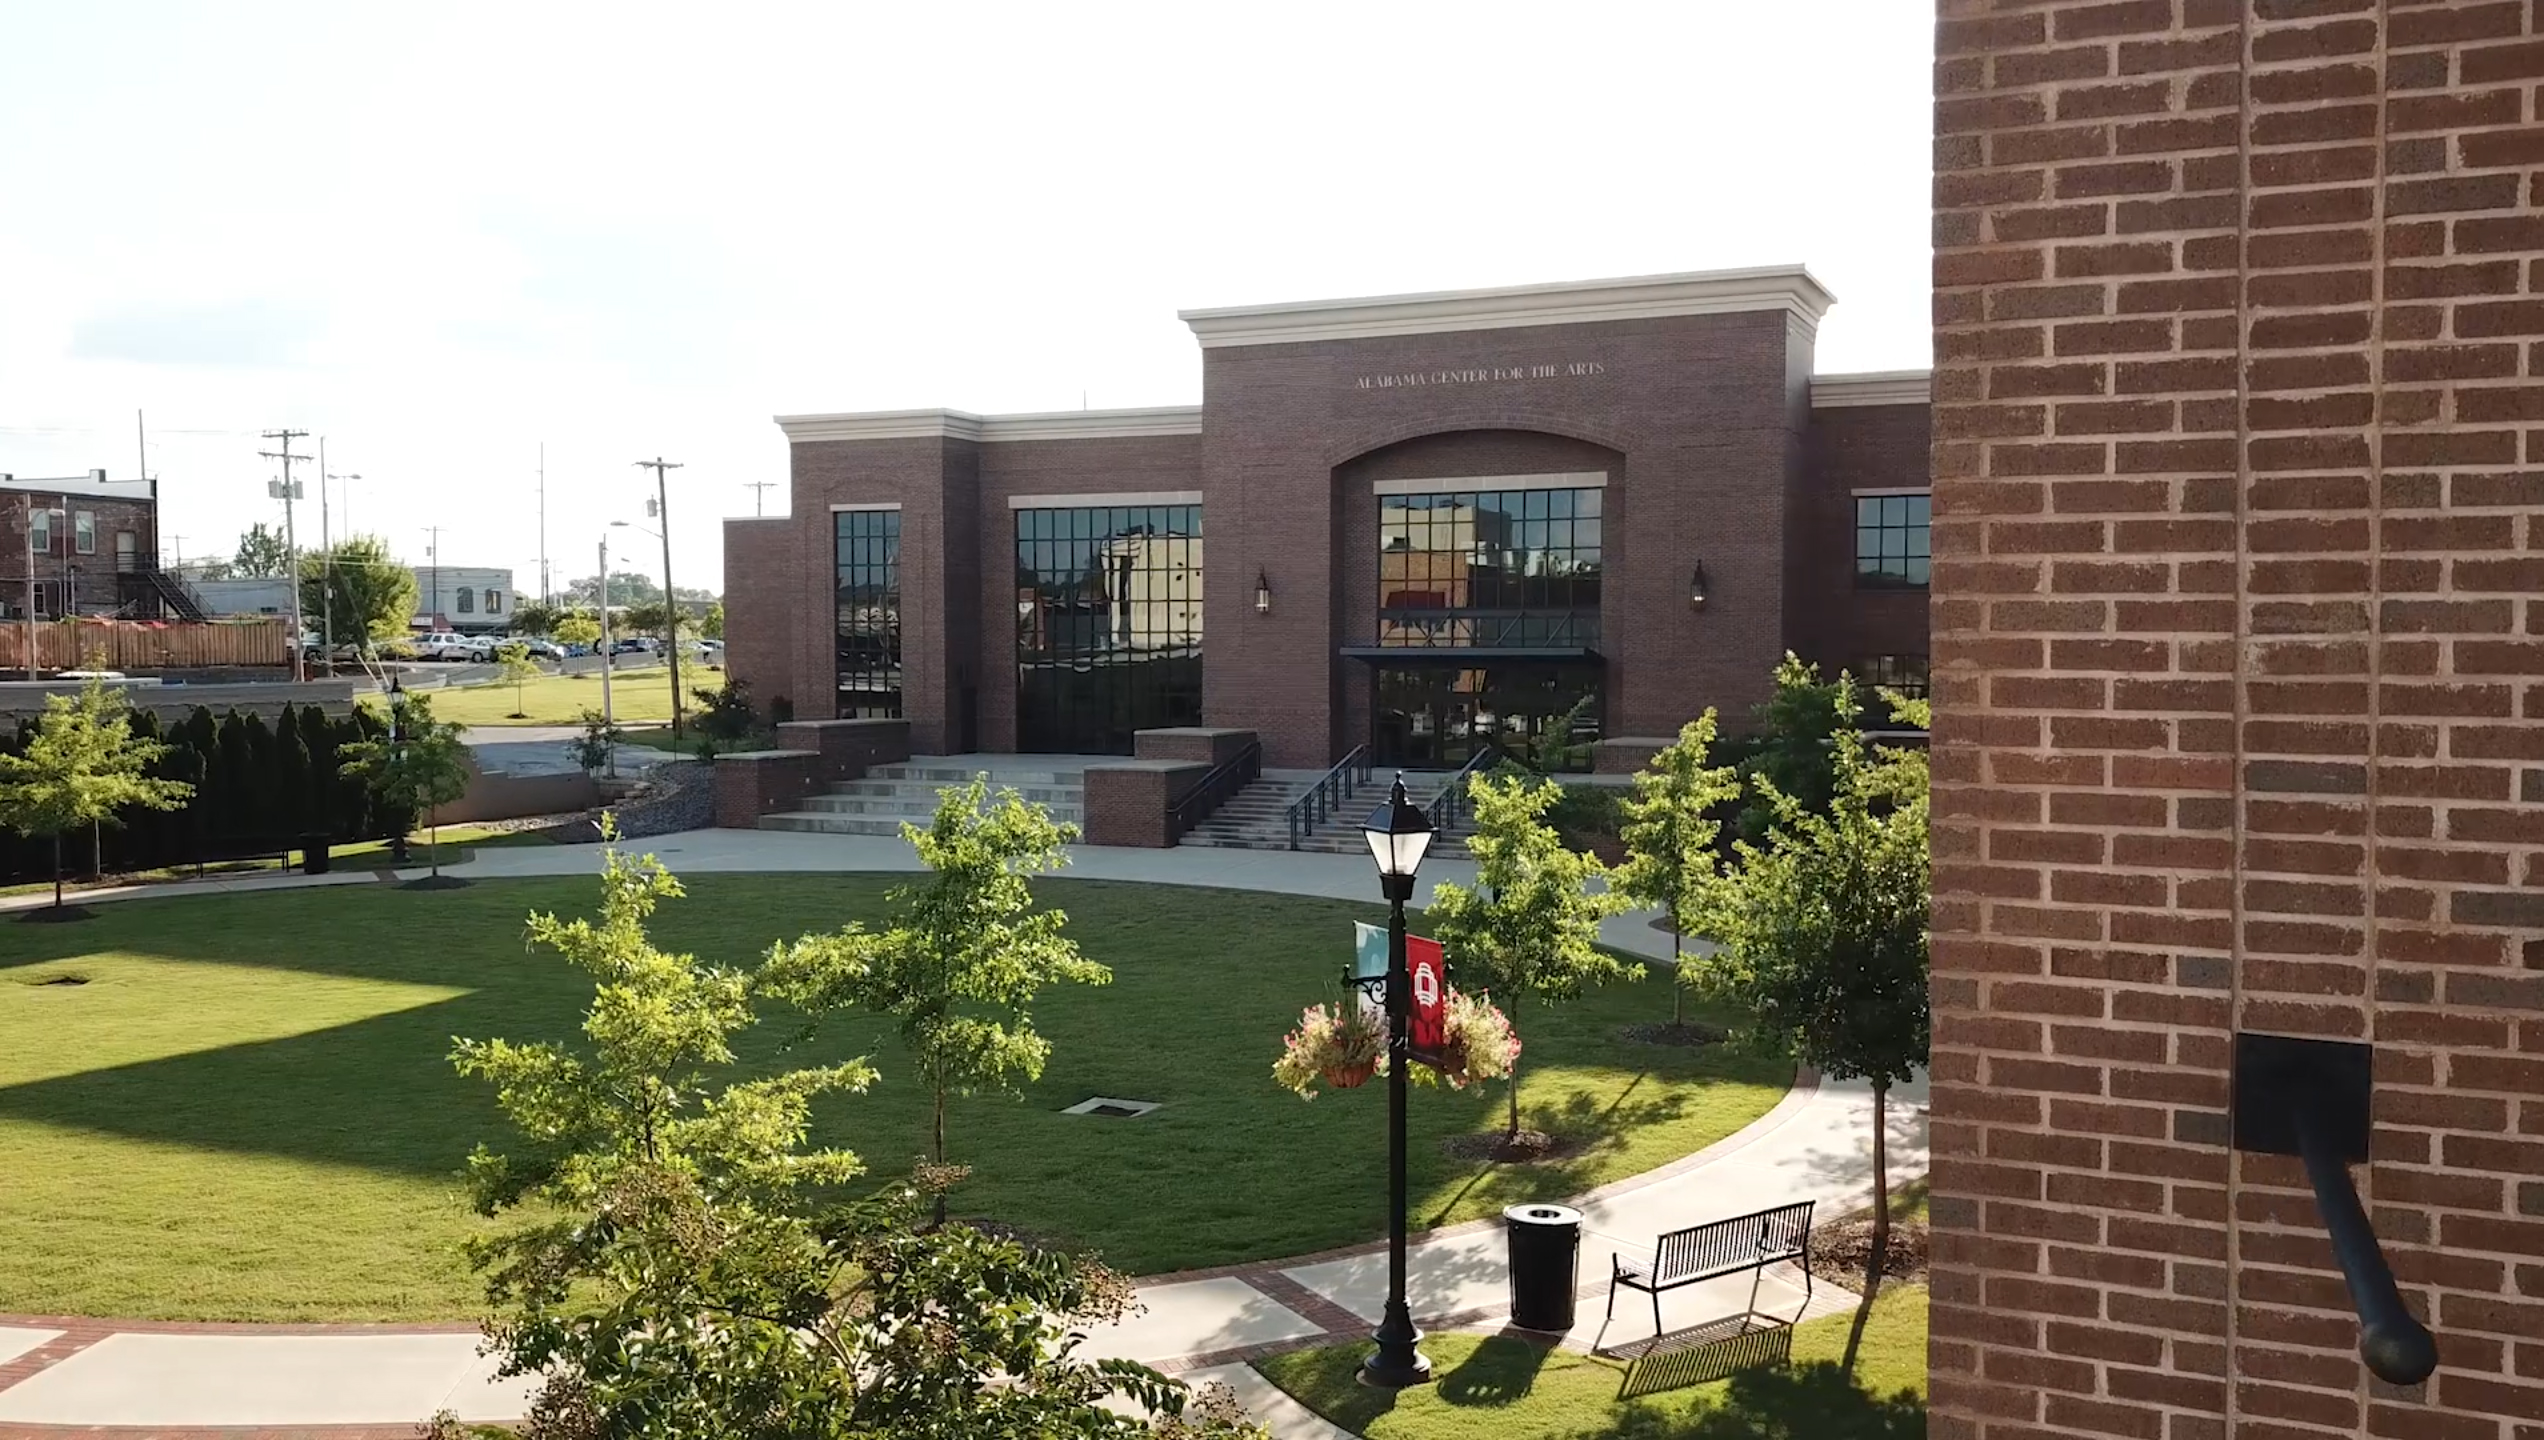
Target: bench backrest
[{"x": 1759, "y": 1239}]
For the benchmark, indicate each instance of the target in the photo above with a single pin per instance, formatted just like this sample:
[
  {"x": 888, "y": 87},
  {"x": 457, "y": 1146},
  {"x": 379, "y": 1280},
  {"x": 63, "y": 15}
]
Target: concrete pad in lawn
[
  {"x": 263, "y": 1380},
  {"x": 1197, "y": 1317},
  {"x": 16, "y": 1340}
]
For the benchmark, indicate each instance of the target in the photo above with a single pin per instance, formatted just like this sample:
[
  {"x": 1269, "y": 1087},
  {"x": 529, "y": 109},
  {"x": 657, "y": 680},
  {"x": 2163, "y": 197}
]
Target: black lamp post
[
  {"x": 397, "y": 714},
  {"x": 1398, "y": 833}
]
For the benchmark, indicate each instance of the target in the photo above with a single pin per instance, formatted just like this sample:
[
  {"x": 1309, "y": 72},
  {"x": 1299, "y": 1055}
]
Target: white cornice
[
  {"x": 991, "y": 429},
  {"x": 1877, "y": 387},
  {"x": 1788, "y": 288}
]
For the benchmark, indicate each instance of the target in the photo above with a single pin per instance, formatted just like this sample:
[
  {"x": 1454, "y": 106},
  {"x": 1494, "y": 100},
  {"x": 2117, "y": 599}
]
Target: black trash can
[
  {"x": 1545, "y": 1265},
  {"x": 315, "y": 855}
]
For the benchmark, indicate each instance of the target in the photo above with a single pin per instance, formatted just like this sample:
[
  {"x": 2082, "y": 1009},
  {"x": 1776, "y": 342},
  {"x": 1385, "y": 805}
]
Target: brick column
[{"x": 2238, "y": 725}]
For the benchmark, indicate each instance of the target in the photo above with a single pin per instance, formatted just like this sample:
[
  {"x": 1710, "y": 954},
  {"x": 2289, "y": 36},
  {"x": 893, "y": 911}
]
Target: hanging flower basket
[
  {"x": 1351, "y": 1077},
  {"x": 1480, "y": 1045},
  {"x": 1340, "y": 1046}
]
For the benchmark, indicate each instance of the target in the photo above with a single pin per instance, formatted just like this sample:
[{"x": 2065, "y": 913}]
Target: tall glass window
[
  {"x": 1489, "y": 569},
  {"x": 1108, "y": 625},
  {"x": 867, "y": 544},
  {"x": 1893, "y": 540}
]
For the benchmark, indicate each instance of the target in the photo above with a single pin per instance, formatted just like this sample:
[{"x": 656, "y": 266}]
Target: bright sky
[{"x": 441, "y": 235}]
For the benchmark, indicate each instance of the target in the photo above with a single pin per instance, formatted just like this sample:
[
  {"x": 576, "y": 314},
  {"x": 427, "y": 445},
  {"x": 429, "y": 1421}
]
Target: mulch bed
[
  {"x": 1662, "y": 1032},
  {"x": 1528, "y": 1147},
  {"x": 1841, "y": 1250}
]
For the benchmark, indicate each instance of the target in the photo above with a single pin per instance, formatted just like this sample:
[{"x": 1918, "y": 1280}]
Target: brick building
[
  {"x": 1429, "y": 521},
  {"x": 2239, "y": 726},
  {"x": 93, "y": 549}
]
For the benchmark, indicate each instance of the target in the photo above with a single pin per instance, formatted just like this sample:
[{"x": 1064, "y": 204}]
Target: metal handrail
[
  {"x": 1447, "y": 806},
  {"x": 1317, "y": 806},
  {"x": 1243, "y": 768}
]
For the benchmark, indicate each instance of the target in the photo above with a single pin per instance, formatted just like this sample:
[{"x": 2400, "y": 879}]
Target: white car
[{"x": 449, "y": 645}]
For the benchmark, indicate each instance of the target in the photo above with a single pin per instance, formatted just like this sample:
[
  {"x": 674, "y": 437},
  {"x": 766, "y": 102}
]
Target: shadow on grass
[
  {"x": 1811, "y": 1402},
  {"x": 1501, "y": 1370},
  {"x": 1701, "y": 1356},
  {"x": 1598, "y": 1129}
]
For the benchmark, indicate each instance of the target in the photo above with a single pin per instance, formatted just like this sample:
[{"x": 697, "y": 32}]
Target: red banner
[{"x": 1430, "y": 969}]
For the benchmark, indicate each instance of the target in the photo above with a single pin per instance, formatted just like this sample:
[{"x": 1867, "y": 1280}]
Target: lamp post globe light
[{"x": 1398, "y": 834}]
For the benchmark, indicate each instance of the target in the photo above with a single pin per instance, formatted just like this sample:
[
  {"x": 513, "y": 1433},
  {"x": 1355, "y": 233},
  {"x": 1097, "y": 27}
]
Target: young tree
[
  {"x": 576, "y": 627},
  {"x": 419, "y": 766},
  {"x": 1530, "y": 927},
  {"x": 1669, "y": 838},
  {"x": 626, "y": 587},
  {"x": 514, "y": 666},
  {"x": 1823, "y": 928},
  {"x": 81, "y": 767},
  {"x": 686, "y": 1275},
  {"x": 1792, "y": 746},
  {"x": 966, "y": 955},
  {"x": 711, "y": 627},
  {"x": 357, "y": 591},
  {"x": 262, "y": 555}
]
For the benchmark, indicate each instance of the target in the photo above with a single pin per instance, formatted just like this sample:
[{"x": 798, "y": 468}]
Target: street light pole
[
  {"x": 1398, "y": 833},
  {"x": 397, "y": 718}
]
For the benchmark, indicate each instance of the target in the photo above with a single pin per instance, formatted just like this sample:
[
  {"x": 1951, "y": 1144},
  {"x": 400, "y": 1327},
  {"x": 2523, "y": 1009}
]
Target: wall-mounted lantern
[
  {"x": 1262, "y": 593},
  {"x": 1696, "y": 588},
  {"x": 2311, "y": 1098}
]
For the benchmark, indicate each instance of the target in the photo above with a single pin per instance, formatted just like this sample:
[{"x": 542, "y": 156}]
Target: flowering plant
[
  {"x": 1481, "y": 1044},
  {"x": 1341, "y": 1045}
]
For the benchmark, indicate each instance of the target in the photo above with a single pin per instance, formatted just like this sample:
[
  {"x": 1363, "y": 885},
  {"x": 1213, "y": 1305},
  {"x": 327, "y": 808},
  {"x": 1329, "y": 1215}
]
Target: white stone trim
[
  {"x": 866, "y": 505},
  {"x": 1791, "y": 289},
  {"x": 963, "y": 425},
  {"x": 1089, "y": 501},
  {"x": 1093, "y": 424},
  {"x": 1869, "y": 490},
  {"x": 1573, "y": 480},
  {"x": 1876, "y": 387}
]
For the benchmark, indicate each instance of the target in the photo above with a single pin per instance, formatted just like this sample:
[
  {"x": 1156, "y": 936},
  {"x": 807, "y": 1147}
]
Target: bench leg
[
  {"x": 1611, "y": 1297},
  {"x": 1657, "y": 1331},
  {"x": 1806, "y": 1291},
  {"x": 1755, "y": 1277}
]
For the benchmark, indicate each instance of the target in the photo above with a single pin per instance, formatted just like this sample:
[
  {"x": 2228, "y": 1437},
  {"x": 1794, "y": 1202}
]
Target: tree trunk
[
  {"x": 1881, "y": 1190},
  {"x": 433, "y": 838},
  {"x": 1514, "y": 1094},
  {"x": 57, "y": 869},
  {"x": 1678, "y": 979},
  {"x": 940, "y": 1151}
]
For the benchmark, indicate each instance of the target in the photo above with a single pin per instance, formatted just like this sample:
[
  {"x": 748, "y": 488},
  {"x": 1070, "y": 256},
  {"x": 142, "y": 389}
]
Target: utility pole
[
  {"x": 326, "y": 537},
  {"x": 661, "y": 511},
  {"x": 433, "y": 563},
  {"x": 759, "y": 496},
  {"x": 287, "y": 491},
  {"x": 609, "y": 717},
  {"x": 545, "y": 598}
]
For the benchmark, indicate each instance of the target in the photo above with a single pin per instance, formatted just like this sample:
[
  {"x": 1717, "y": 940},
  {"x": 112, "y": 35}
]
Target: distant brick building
[
  {"x": 1432, "y": 521},
  {"x": 2238, "y": 607},
  {"x": 93, "y": 550}
]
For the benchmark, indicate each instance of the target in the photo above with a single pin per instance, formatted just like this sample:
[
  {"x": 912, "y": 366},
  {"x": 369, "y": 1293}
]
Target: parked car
[
  {"x": 635, "y": 645},
  {"x": 535, "y": 647},
  {"x": 449, "y": 645}
]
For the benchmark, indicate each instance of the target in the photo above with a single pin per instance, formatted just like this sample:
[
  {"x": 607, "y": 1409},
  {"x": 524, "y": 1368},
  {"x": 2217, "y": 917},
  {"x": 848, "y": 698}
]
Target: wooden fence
[{"x": 135, "y": 646}]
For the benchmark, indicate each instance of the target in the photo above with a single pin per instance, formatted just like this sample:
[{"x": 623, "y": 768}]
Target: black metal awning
[{"x": 1471, "y": 658}]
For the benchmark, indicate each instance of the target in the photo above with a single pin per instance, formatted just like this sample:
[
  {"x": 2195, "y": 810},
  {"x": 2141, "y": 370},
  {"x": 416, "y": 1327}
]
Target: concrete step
[
  {"x": 919, "y": 773},
  {"x": 928, "y": 791},
  {"x": 815, "y": 822},
  {"x": 912, "y": 807}
]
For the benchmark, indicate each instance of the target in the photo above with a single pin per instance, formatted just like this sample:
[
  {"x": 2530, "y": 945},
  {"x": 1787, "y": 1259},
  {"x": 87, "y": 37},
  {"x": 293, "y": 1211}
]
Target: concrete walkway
[{"x": 355, "y": 1382}]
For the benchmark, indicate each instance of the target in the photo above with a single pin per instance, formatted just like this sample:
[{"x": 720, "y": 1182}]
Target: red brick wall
[
  {"x": 2240, "y": 683},
  {"x": 94, "y": 583},
  {"x": 764, "y": 587},
  {"x": 1706, "y": 411},
  {"x": 1850, "y": 448}
]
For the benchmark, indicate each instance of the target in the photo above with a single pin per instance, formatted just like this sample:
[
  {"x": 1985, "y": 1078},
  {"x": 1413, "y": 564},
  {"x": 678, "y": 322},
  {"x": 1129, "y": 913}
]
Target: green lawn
[
  {"x": 1504, "y": 1388},
  {"x": 247, "y": 1113},
  {"x": 636, "y": 697}
]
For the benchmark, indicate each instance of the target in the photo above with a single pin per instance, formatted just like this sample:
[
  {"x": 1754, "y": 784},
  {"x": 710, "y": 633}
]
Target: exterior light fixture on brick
[
  {"x": 1696, "y": 588},
  {"x": 1262, "y": 593}
]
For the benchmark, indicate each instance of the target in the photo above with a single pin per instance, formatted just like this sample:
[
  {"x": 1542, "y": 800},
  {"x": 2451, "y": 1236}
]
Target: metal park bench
[{"x": 1718, "y": 1248}]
